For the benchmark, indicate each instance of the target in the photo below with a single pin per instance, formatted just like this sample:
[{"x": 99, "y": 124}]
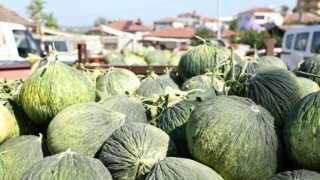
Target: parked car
[
  {"x": 15, "y": 43},
  {"x": 300, "y": 43}
]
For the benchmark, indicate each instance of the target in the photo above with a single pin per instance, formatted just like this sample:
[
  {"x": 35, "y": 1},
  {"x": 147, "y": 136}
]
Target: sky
[{"x": 71, "y": 13}]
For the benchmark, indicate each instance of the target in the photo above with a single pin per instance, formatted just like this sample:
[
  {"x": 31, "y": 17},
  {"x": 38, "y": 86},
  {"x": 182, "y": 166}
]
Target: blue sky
[{"x": 85, "y": 12}]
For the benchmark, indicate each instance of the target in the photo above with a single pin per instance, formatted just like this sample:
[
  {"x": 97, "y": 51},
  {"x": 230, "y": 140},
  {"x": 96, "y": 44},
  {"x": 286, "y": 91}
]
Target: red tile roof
[
  {"x": 129, "y": 26},
  {"x": 167, "y": 20},
  {"x": 258, "y": 9},
  {"x": 173, "y": 33},
  {"x": 119, "y": 25},
  {"x": 301, "y": 18},
  {"x": 139, "y": 28}
]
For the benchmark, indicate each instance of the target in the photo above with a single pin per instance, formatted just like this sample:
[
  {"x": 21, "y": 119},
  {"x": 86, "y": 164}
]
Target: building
[
  {"x": 301, "y": 18},
  {"x": 312, "y": 6},
  {"x": 170, "y": 38},
  {"x": 191, "y": 19},
  {"x": 260, "y": 16},
  {"x": 168, "y": 22}
]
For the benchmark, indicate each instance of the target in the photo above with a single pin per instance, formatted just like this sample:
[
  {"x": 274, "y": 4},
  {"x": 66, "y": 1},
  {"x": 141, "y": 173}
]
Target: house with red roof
[
  {"x": 259, "y": 16},
  {"x": 170, "y": 38}
]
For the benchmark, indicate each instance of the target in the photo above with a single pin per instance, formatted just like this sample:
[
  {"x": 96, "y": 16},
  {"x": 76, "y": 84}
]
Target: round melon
[
  {"x": 118, "y": 81},
  {"x": 201, "y": 82},
  {"x": 22, "y": 124},
  {"x": 51, "y": 88},
  {"x": 82, "y": 128},
  {"x": 273, "y": 88},
  {"x": 235, "y": 137},
  {"x": 113, "y": 57},
  {"x": 296, "y": 174},
  {"x": 153, "y": 85},
  {"x": 200, "y": 60},
  {"x": 310, "y": 68},
  {"x": 156, "y": 57},
  {"x": 173, "y": 121},
  {"x": 21, "y": 152},
  {"x": 301, "y": 132},
  {"x": 308, "y": 85},
  {"x": 131, "y": 107},
  {"x": 272, "y": 61},
  {"x": 68, "y": 165},
  {"x": 181, "y": 168},
  {"x": 132, "y": 150},
  {"x": 6, "y": 123}
]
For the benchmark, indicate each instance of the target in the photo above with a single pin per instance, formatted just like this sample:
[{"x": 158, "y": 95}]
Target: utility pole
[{"x": 218, "y": 19}]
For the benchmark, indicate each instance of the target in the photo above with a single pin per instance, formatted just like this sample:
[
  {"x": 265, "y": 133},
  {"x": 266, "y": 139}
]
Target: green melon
[
  {"x": 301, "y": 132},
  {"x": 6, "y": 123},
  {"x": 308, "y": 85},
  {"x": 202, "y": 59},
  {"x": 113, "y": 57},
  {"x": 131, "y": 107},
  {"x": 296, "y": 175},
  {"x": 156, "y": 57},
  {"x": 21, "y": 152},
  {"x": 173, "y": 121},
  {"x": 273, "y": 88},
  {"x": 310, "y": 68},
  {"x": 235, "y": 137},
  {"x": 200, "y": 82},
  {"x": 51, "y": 88},
  {"x": 132, "y": 150},
  {"x": 118, "y": 81},
  {"x": 82, "y": 128},
  {"x": 68, "y": 165},
  {"x": 272, "y": 61},
  {"x": 181, "y": 168},
  {"x": 153, "y": 85},
  {"x": 4, "y": 172},
  {"x": 23, "y": 125}
]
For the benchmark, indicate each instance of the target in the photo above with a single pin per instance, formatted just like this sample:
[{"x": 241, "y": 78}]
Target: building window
[
  {"x": 289, "y": 39},
  {"x": 315, "y": 46},
  {"x": 301, "y": 41},
  {"x": 301, "y": 3},
  {"x": 259, "y": 17}
]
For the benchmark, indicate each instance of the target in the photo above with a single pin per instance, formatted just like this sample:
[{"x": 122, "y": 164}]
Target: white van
[
  {"x": 300, "y": 43},
  {"x": 15, "y": 43}
]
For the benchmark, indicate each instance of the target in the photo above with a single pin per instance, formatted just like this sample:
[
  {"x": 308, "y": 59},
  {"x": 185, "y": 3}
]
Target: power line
[{"x": 129, "y": 10}]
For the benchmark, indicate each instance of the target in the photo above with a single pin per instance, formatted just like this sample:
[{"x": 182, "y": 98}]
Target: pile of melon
[{"x": 217, "y": 115}]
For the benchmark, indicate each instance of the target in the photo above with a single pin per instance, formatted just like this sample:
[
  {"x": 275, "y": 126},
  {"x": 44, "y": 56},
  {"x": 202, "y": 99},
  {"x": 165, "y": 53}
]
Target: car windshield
[{"x": 58, "y": 45}]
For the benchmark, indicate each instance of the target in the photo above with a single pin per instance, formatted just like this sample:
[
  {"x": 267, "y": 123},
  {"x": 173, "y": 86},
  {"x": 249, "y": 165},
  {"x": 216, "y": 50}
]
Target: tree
[
  {"x": 50, "y": 20},
  {"x": 204, "y": 33},
  {"x": 284, "y": 9},
  {"x": 35, "y": 11},
  {"x": 100, "y": 21},
  {"x": 254, "y": 38}
]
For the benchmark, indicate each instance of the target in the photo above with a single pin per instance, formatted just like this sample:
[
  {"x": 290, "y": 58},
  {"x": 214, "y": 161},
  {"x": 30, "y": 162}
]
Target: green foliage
[
  {"x": 204, "y": 33},
  {"x": 35, "y": 11},
  {"x": 50, "y": 20},
  {"x": 100, "y": 21},
  {"x": 255, "y": 38}
]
